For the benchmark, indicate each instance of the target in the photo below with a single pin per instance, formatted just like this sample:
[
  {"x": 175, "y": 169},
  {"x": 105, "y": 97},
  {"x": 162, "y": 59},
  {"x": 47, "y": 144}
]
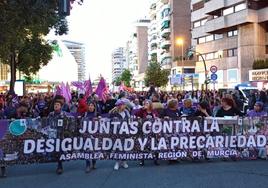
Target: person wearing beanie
[
  {"x": 120, "y": 112},
  {"x": 257, "y": 111}
]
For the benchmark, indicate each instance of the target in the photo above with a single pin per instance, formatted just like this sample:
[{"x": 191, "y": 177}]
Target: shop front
[{"x": 259, "y": 78}]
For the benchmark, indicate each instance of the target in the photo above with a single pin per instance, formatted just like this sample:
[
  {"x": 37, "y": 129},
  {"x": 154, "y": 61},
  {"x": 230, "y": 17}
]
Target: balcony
[
  {"x": 198, "y": 32},
  {"x": 165, "y": 44},
  {"x": 166, "y": 32},
  {"x": 214, "y": 5},
  {"x": 164, "y": 1},
  {"x": 153, "y": 51},
  {"x": 185, "y": 63},
  {"x": 166, "y": 66},
  {"x": 238, "y": 18},
  {"x": 165, "y": 55},
  {"x": 166, "y": 18},
  {"x": 263, "y": 15},
  {"x": 165, "y": 6}
]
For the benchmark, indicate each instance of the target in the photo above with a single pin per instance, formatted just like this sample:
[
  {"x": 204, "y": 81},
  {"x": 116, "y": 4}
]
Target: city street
[{"x": 185, "y": 174}]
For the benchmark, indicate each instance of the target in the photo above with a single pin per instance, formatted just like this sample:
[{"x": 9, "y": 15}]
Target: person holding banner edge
[{"x": 56, "y": 114}]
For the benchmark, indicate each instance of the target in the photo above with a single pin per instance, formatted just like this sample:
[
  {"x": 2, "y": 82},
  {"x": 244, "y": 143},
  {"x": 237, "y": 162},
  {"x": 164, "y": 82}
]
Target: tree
[
  {"x": 126, "y": 77},
  {"x": 23, "y": 25},
  {"x": 260, "y": 64},
  {"x": 155, "y": 75},
  {"x": 117, "y": 81}
]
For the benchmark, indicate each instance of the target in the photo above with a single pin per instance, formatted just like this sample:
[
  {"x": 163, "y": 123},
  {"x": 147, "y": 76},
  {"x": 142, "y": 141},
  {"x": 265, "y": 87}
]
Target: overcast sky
[{"x": 103, "y": 26}]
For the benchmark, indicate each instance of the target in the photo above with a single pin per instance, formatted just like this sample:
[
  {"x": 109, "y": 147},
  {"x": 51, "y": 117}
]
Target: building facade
[
  {"x": 119, "y": 62},
  {"x": 131, "y": 55},
  {"x": 230, "y": 34},
  {"x": 137, "y": 53},
  {"x": 78, "y": 51},
  {"x": 170, "y": 20}
]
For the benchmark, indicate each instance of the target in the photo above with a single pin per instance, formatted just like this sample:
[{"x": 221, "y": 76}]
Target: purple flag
[
  {"x": 66, "y": 93},
  {"x": 101, "y": 89},
  {"x": 58, "y": 91},
  {"x": 79, "y": 85},
  {"x": 88, "y": 88}
]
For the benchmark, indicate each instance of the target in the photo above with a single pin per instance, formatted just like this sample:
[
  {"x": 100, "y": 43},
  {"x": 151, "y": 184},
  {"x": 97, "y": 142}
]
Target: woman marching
[
  {"x": 120, "y": 112},
  {"x": 147, "y": 112},
  {"x": 90, "y": 115}
]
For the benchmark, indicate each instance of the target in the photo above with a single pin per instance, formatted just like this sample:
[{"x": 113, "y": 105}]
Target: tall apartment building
[
  {"x": 137, "y": 52},
  {"x": 230, "y": 34},
  {"x": 78, "y": 51},
  {"x": 142, "y": 44},
  {"x": 118, "y": 62},
  {"x": 170, "y": 19},
  {"x": 131, "y": 55}
]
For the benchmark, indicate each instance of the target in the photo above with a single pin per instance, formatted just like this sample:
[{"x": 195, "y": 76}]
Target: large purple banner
[{"x": 66, "y": 138}]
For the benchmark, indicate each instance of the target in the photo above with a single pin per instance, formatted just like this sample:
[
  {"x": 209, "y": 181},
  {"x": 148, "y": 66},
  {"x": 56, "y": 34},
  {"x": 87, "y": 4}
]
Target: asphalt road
[{"x": 217, "y": 174}]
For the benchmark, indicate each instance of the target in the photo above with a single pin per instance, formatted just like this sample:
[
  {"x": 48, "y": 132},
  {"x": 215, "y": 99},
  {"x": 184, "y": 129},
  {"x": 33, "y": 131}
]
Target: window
[
  {"x": 209, "y": 38},
  {"x": 232, "y": 75},
  {"x": 209, "y": 56},
  {"x": 218, "y": 36},
  {"x": 200, "y": 23},
  {"x": 232, "y": 52},
  {"x": 240, "y": 7},
  {"x": 235, "y": 32},
  {"x": 232, "y": 33},
  {"x": 228, "y": 11},
  {"x": 165, "y": 12},
  {"x": 165, "y": 25},
  {"x": 203, "y": 21},
  {"x": 199, "y": 58},
  {"x": 198, "y": 5},
  {"x": 197, "y": 24},
  {"x": 201, "y": 40}
]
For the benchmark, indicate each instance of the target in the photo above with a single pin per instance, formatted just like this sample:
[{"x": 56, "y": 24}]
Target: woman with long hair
[
  {"x": 147, "y": 112},
  {"x": 228, "y": 108}
]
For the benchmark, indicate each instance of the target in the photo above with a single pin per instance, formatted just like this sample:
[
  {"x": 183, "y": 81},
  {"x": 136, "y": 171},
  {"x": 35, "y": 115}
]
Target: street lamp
[
  {"x": 180, "y": 42},
  {"x": 204, "y": 63}
]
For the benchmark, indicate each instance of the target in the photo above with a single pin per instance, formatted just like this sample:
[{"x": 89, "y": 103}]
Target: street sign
[
  {"x": 213, "y": 69},
  {"x": 214, "y": 76}
]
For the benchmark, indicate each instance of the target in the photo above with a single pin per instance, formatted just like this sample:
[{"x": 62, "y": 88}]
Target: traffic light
[{"x": 64, "y": 7}]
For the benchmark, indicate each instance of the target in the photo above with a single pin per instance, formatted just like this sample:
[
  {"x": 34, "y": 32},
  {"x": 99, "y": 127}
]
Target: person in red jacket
[
  {"x": 147, "y": 112},
  {"x": 82, "y": 106}
]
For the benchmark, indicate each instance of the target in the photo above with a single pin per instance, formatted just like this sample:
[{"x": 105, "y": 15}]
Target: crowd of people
[{"x": 123, "y": 105}]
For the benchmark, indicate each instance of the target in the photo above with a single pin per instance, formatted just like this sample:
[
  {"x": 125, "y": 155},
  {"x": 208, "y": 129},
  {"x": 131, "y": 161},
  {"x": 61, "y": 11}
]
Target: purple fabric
[
  {"x": 253, "y": 113},
  {"x": 88, "y": 87},
  {"x": 3, "y": 128},
  {"x": 79, "y": 85},
  {"x": 58, "y": 91},
  {"x": 66, "y": 93},
  {"x": 101, "y": 88}
]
